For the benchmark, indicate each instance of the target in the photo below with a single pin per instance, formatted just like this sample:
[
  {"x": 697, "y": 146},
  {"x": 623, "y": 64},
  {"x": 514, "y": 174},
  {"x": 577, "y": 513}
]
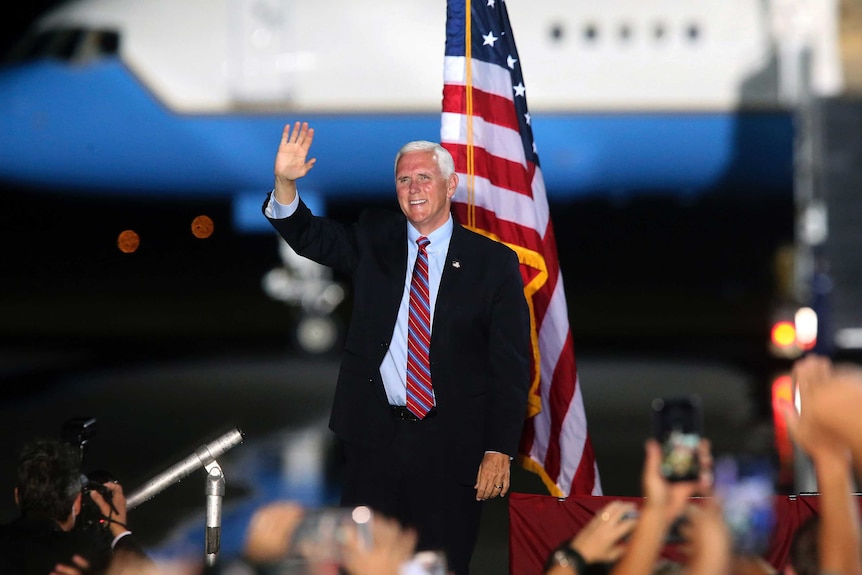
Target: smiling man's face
[{"x": 423, "y": 192}]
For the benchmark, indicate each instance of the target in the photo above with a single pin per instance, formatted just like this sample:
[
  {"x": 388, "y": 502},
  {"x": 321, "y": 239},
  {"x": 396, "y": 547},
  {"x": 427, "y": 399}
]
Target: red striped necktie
[{"x": 420, "y": 393}]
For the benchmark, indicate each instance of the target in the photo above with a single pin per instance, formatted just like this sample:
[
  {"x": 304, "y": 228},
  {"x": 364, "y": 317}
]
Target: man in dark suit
[
  {"x": 430, "y": 471},
  {"x": 49, "y": 494}
]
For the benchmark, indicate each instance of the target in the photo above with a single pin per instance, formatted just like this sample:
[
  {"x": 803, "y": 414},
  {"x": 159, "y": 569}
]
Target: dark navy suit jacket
[
  {"x": 480, "y": 342},
  {"x": 34, "y": 545}
]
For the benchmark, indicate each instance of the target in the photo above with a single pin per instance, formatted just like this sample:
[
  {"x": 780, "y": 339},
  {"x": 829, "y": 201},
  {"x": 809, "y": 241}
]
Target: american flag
[{"x": 486, "y": 126}]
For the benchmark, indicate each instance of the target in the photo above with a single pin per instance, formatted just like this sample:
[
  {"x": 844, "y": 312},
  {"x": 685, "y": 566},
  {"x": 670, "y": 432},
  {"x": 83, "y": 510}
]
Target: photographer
[{"x": 49, "y": 493}]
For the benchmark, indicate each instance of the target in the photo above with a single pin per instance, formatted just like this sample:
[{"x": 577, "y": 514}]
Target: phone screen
[
  {"x": 745, "y": 485},
  {"x": 677, "y": 425}
]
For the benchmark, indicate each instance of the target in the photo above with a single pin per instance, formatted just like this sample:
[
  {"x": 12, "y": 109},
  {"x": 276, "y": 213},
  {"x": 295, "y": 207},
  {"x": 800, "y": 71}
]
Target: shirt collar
[{"x": 438, "y": 237}]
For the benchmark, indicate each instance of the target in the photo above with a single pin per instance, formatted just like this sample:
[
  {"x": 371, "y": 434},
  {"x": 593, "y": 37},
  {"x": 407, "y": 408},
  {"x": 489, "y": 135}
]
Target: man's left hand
[{"x": 493, "y": 478}]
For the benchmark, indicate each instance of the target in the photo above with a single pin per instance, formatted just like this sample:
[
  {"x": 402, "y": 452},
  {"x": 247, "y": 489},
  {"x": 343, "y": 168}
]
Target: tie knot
[{"x": 423, "y": 242}]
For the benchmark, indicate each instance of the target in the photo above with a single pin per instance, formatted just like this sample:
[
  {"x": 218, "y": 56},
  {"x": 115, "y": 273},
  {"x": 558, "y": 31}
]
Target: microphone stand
[
  {"x": 215, "y": 493},
  {"x": 204, "y": 456}
]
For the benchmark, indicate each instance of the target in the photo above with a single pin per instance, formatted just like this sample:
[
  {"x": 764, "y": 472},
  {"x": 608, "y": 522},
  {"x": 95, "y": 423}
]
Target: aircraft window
[
  {"x": 97, "y": 43},
  {"x": 54, "y": 43},
  {"x": 71, "y": 44},
  {"x": 658, "y": 31},
  {"x": 693, "y": 32},
  {"x": 625, "y": 32},
  {"x": 591, "y": 33},
  {"x": 557, "y": 32},
  {"x": 110, "y": 42},
  {"x": 21, "y": 48}
]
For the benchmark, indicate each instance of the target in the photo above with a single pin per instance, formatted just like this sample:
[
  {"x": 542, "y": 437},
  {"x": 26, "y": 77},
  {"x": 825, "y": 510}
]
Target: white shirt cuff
[
  {"x": 118, "y": 537},
  {"x": 278, "y": 211}
]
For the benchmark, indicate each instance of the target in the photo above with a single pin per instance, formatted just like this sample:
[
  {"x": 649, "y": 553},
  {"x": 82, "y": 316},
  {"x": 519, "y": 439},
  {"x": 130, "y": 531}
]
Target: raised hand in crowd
[
  {"x": 830, "y": 397},
  {"x": 599, "y": 541},
  {"x": 78, "y": 566},
  {"x": 828, "y": 429},
  {"x": 708, "y": 545},
  {"x": 664, "y": 504},
  {"x": 269, "y": 533},
  {"x": 270, "y": 539},
  {"x": 392, "y": 549}
]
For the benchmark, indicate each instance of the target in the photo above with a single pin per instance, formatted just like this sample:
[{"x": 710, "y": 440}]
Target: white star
[
  {"x": 527, "y": 118},
  {"x": 520, "y": 89},
  {"x": 511, "y": 62},
  {"x": 491, "y": 3},
  {"x": 489, "y": 39}
]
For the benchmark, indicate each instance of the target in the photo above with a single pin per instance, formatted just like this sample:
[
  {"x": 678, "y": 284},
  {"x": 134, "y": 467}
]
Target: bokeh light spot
[
  {"x": 783, "y": 334},
  {"x": 128, "y": 241},
  {"x": 202, "y": 227}
]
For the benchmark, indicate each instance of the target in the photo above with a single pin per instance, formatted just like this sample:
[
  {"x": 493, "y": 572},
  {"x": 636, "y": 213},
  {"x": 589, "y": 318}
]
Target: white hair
[{"x": 441, "y": 155}]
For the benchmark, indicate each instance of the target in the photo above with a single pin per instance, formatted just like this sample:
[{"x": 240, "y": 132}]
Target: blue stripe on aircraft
[{"x": 94, "y": 128}]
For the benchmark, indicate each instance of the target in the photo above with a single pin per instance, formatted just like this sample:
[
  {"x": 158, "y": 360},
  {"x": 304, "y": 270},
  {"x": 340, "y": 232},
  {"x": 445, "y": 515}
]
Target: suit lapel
[
  {"x": 450, "y": 280},
  {"x": 393, "y": 263}
]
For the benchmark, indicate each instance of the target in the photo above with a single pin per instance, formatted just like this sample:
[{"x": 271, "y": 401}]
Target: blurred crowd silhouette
[{"x": 54, "y": 535}]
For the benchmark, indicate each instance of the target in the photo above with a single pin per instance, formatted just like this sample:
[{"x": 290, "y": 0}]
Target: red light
[{"x": 782, "y": 390}]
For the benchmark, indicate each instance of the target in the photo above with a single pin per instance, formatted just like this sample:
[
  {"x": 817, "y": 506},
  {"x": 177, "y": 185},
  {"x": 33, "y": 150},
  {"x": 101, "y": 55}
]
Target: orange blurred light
[
  {"x": 128, "y": 241},
  {"x": 783, "y": 334},
  {"x": 202, "y": 227},
  {"x": 782, "y": 390}
]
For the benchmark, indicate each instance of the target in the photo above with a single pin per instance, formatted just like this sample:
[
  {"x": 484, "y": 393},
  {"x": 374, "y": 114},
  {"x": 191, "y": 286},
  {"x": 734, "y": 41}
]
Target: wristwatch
[{"x": 565, "y": 556}]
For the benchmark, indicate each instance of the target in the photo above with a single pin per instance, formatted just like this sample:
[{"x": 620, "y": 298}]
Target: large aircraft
[{"x": 166, "y": 98}]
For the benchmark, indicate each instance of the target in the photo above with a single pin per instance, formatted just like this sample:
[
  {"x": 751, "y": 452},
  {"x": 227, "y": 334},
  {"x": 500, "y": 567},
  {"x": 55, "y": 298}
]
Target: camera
[
  {"x": 91, "y": 516},
  {"x": 77, "y": 432},
  {"x": 678, "y": 424}
]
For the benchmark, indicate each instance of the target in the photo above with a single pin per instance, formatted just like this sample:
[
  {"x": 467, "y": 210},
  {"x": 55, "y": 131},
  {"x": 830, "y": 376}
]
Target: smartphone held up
[
  {"x": 745, "y": 485},
  {"x": 678, "y": 426}
]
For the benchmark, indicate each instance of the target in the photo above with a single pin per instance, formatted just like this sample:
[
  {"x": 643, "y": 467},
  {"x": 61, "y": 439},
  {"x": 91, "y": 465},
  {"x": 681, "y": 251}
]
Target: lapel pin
[{"x": 456, "y": 264}]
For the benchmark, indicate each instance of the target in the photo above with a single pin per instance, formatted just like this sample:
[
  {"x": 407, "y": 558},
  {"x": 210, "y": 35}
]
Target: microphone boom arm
[{"x": 202, "y": 457}]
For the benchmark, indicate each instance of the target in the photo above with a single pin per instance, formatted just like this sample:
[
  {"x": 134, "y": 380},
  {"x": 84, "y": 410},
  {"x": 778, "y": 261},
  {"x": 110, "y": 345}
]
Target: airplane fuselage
[{"x": 163, "y": 98}]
